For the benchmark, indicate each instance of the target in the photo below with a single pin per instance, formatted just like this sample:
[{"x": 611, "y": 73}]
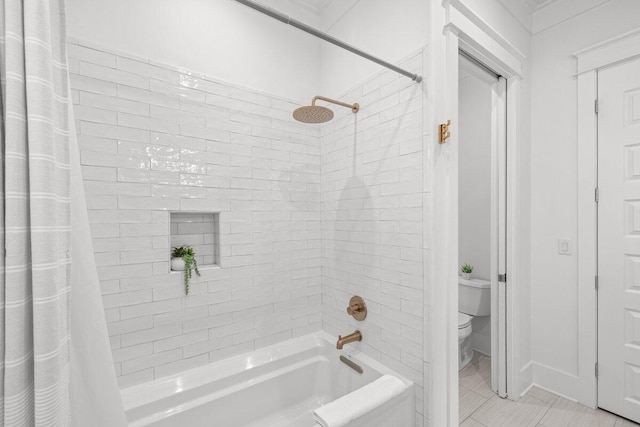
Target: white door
[{"x": 619, "y": 239}]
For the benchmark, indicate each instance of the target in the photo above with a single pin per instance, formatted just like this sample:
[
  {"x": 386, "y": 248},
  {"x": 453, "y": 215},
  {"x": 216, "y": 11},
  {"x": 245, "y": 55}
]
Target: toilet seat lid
[{"x": 464, "y": 320}]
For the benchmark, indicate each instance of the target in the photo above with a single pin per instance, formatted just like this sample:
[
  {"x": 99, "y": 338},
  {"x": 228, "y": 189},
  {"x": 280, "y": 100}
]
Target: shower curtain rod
[{"x": 324, "y": 36}]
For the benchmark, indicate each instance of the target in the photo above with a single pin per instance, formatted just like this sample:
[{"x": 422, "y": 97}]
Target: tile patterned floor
[{"x": 479, "y": 407}]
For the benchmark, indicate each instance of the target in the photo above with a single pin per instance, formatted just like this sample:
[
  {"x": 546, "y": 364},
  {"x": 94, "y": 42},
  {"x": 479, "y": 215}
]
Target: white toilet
[{"x": 474, "y": 300}]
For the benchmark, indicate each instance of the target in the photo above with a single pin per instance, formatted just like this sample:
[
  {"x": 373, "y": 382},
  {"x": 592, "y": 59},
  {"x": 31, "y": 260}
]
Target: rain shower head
[{"x": 317, "y": 114}]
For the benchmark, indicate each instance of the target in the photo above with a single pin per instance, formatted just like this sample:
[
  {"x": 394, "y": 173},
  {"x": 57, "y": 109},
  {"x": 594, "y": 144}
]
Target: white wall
[
  {"x": 554, "y": 294},
  {"x": 474, "y": 176},
  {"x": 389, "y": 30},
  {"x": 220, "y": 38}
]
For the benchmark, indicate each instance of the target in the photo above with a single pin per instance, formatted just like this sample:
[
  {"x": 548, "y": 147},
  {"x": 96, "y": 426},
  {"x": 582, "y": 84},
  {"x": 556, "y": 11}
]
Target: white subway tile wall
[
  {"x": 372, "y": 221},
  {"x": 156, "y": 140}
]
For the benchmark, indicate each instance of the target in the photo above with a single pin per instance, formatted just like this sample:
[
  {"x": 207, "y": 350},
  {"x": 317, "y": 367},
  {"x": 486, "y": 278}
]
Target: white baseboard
[
  {"x": 524, "y": 380},
  {"x": 526, "y": 390},
  {"x": 555, "y": 392},
  {"x": 556, "y": 381}
]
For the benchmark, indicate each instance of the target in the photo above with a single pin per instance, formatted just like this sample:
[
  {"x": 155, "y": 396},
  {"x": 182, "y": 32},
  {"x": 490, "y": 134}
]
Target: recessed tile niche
[{"x": 201, "y": 231}]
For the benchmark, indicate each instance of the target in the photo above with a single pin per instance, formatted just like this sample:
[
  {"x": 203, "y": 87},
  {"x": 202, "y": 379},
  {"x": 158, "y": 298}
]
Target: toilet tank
[{"x": 474, "y": 297}]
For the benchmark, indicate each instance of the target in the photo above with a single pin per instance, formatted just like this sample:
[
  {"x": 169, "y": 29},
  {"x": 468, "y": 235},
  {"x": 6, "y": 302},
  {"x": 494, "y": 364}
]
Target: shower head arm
[{"x": 354, "y": 107}]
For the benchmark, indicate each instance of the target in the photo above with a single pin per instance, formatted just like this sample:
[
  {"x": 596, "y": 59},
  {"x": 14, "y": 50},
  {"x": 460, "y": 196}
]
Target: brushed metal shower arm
[
  {"x": 354, "y": 107},
  {"x": 326, "y": 37}
]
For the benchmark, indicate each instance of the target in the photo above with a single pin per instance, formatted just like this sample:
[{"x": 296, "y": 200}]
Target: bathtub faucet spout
[{"x": 356, "y": 336}]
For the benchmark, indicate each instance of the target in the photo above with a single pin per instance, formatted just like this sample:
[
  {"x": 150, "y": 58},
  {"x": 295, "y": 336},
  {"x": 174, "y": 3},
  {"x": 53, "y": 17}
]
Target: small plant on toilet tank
[
  {"x": 184, "y": 259},
  {"x": 466, "y": 270}
]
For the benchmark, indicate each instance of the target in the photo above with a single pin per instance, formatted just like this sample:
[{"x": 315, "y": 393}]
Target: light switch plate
[{"x": 564, "y": 247}]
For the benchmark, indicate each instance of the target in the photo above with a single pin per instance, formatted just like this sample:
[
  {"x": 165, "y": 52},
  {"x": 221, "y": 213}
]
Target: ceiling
[
  {"x": 539, "y": 4},
  {"x": 318, "y": 6},
  {"x": 313, "y": 6}
]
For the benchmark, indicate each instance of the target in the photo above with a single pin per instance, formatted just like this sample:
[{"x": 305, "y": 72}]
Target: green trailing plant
[
  {"x": 190, "y": 264},
  {"x": 467, "y": 269}
]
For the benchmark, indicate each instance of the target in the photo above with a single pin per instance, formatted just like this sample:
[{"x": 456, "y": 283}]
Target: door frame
[
  {"x": 611, "y": 52},
  {"x": 455, "y": 27},
  {"x": 502, "y": 299},
  {"x": 498, "y": 224},
  {"x": 499, "y": 238}
]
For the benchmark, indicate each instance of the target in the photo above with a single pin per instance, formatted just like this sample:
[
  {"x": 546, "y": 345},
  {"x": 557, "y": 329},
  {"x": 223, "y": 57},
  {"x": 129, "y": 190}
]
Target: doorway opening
[{"x": 481, "y": 230}]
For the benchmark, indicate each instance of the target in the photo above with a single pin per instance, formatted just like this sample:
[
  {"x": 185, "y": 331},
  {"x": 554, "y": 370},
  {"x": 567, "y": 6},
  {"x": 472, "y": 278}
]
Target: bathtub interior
[{"x": 276, "y": 386}]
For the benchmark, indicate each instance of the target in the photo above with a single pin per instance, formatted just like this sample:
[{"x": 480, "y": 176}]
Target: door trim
[
  {"x": 453, "y": 29},
  {"x": 618, "y": 49},
  {"x": 589, "y": 61}
]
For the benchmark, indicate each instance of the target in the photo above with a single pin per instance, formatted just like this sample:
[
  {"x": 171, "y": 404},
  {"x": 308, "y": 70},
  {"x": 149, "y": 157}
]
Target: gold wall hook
[
  {"x": 444, "y": 132},
  {"x": 357, "y": 308}
]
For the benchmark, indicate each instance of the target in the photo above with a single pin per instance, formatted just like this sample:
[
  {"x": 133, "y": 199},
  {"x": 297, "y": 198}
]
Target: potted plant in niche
[
  {"x": 184, "y": 259},
  {"x": 466, "y": 270}
]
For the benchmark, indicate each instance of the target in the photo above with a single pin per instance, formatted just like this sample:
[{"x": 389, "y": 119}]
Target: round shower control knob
[{"x": 357, "y": 308}]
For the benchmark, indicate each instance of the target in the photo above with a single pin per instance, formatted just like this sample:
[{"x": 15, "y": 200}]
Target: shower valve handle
[{"x": 357, "y": 308}]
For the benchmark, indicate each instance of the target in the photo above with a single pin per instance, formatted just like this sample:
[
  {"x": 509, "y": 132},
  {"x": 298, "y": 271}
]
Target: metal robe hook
[{"x": 444, "y": 132}]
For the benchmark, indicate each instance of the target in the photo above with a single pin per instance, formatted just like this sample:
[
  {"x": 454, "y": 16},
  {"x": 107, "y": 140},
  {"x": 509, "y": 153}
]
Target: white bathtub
[{"x": 276, "y": 386}]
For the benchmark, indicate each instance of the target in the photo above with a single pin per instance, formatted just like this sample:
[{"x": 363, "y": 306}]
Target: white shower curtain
[{"x": 50, "y": 371}]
